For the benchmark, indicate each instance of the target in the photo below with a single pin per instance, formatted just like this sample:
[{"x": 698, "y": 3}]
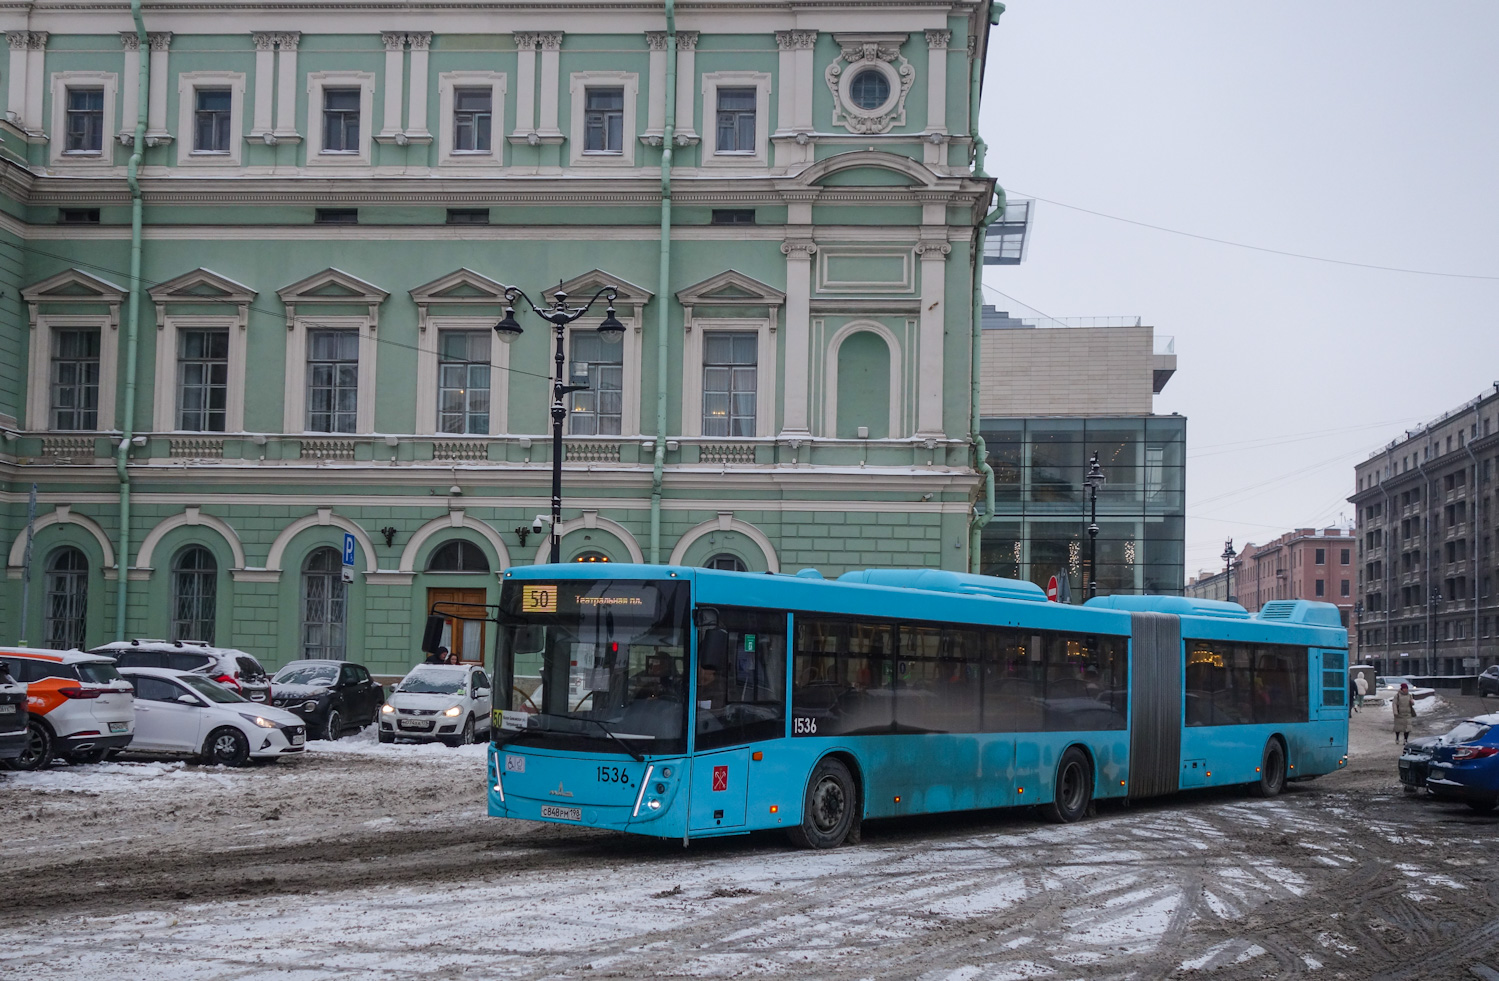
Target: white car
[
  {"x": 447, "y": 702},
  {"x": 79, "y": 707},
  {"x": 184, "y": 712}
]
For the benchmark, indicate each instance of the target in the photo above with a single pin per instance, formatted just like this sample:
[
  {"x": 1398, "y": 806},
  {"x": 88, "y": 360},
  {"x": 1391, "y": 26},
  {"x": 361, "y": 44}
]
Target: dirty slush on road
[{"x": 367, "y": 861}]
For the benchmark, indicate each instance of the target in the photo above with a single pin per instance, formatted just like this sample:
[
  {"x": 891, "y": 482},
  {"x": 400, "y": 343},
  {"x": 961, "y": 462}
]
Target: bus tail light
[{"x": 775, "y": 809}]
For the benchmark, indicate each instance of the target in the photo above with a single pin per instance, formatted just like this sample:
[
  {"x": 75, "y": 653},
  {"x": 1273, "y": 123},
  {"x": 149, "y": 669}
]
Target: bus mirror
[
  {"x": 706, "y": 617},
  {"x": 432, "y": 636},
  {"x": 713, "y": 651}
]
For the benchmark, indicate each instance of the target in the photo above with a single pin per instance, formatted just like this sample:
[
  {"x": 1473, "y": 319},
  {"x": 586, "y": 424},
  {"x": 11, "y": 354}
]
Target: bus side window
[
  {"x": 1012, "y": 681},
  {"x": 744, "y": 699}
]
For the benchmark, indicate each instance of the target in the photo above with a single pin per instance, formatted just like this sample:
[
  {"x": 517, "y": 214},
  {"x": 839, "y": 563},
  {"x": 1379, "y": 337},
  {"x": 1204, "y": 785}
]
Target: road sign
[
  {"x": 348, "y": 549},
  {"x": 1051, "y": 589}
]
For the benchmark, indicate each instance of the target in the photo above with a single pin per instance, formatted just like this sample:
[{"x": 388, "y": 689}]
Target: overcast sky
[{"x": 1360, "y": 130}]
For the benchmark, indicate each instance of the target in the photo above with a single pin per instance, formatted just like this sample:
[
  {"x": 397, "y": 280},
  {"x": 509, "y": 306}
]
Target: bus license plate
[{"x": 562, "y": 813}]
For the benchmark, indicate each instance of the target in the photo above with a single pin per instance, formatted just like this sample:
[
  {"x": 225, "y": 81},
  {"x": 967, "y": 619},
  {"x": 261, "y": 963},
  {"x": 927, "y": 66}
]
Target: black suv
[
  {"x": 233, "y": 669},
  {"x": 13, "y": 715},
  {"x": 332, "y": 697}
]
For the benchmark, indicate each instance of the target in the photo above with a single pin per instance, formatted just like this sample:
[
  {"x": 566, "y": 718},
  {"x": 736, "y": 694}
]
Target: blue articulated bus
[{"x": 687, "y": 703}]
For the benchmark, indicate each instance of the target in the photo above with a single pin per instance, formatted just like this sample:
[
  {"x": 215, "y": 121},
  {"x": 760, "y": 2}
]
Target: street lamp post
[
  {"x": 559, "y": 316},
  {"x": 1228, "y": 570},
  {"x": 1094, "y": 480}
]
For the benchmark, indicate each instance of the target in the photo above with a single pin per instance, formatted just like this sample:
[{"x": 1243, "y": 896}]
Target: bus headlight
[{"x": 653, "y": 804}]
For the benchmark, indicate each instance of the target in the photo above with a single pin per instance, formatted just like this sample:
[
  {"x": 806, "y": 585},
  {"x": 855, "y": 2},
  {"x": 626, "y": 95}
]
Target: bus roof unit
[
  {"x": 1301, "y": 611},
  {"x": 941, "y": 581},
  {"x": 1186, "y": 606}
]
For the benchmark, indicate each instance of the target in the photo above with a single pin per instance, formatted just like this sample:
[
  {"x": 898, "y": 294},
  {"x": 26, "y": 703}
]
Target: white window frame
[
  {"x": 427, "y": 362},
  {"x": 39, "y": 369},
  {"x": 316, "y": 155},
  {"x": 295, "y": 418},
  {"x": 61, "y": 82},
  {"x": 712, "y": 82},
  {"x": 765, "y": 372},
  {"x": 188, "y": 84},
  {"x": 578, "y": 85},
  {"x": 447, "y": 83},
  {"x": 167, "y": 349},
  {"x": 629, "y": 385}
]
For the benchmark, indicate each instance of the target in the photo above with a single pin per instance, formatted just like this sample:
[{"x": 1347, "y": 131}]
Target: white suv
[
  {"x": 446, "y": 702},
  {"x": 80, "y": 708}
]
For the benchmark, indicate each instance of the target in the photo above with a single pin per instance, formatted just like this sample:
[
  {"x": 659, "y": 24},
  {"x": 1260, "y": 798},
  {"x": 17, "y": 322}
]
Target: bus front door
[{"x": 720, "y": 782}]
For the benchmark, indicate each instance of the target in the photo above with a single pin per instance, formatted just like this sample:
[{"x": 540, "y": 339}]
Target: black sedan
[
  {"x": 1488, "y": 682},
  {"x": 332, "y": 697}
]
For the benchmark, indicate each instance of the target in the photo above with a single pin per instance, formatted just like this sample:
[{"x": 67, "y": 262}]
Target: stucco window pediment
[
  {"x": 731, "y": 288},
  {"x": 332, "y": 286},
  {"x": 582, "y": 288},
  {"x": 461, "y": 287},
  {"x": 73, "y": 286}
]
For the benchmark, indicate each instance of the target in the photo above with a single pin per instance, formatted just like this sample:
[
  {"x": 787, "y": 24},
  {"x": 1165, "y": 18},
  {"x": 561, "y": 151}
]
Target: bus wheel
[
  {"x": 1272, "y": 771},
  {"x": 828, "y": 813},
  {"x": 1074, "y": 789}
]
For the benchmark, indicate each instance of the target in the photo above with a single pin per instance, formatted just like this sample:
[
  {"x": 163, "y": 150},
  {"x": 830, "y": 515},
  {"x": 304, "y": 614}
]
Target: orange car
[{"x": 79, "y": 706}]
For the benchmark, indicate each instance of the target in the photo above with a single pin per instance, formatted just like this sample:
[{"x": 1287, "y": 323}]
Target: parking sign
[{"x": 348, "y": 549}]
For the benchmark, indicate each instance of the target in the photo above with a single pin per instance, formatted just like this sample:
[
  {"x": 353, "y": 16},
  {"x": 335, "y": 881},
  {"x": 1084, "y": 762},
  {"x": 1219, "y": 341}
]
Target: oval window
[{"x": 869, "y": 89}]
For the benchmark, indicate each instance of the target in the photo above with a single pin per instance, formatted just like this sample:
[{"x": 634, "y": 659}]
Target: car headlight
[
  {"x": 454, "y": 712},
  {"x": 310, "y": 705},
  {"x": 262, "y": 722},
  {"x": 387, "y": 708}
]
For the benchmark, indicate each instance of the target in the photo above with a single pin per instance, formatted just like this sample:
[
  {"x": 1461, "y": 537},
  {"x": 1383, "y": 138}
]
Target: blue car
[{"x": 1465, "y": 764}]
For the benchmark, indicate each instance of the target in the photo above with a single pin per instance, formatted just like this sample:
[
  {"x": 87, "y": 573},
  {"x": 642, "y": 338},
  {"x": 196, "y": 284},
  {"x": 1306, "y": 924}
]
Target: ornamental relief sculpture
[{"x": 869, "y": 81}]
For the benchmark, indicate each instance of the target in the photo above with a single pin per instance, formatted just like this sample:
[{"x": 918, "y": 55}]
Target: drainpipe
[
  {"x": 132, "y": 329},
  {"x": 980, "y": 450},
  {"x": 663, "y": 289}
]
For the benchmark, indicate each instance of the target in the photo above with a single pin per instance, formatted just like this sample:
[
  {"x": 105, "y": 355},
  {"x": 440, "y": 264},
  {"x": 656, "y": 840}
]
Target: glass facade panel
[{"x": 1042, "y": 508}]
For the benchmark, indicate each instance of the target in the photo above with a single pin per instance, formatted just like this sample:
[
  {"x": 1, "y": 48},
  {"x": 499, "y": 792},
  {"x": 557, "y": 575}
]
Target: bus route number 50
[{"x": 803, "y": 727}]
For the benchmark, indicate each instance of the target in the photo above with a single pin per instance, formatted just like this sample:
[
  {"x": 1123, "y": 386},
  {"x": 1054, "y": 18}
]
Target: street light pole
[
  {"x": 559, "y": 316},
  {"x": 1228, "y": 570},
  {"x": 1094, "y": 480}
]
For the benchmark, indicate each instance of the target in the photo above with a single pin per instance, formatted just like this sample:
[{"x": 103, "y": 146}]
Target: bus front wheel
[
  {"x": 829, "y": 811},
  {"x": 1272, "y": 771},
  {"x": 1074, "y": 789}
]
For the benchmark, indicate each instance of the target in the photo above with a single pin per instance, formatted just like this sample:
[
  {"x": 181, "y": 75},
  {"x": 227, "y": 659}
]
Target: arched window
[
  {"x": 591, "y": 557},
  {"x": 67, "y": 598},
  {"x": 195, "y": 582},
  {"x": 458, "y": 556},
  {"x": 324, "y": 605},
  {"x": 727, "y": 562}
]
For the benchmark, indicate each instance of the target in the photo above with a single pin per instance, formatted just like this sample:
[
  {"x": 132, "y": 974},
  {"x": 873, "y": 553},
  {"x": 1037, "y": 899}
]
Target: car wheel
[
  {"x": 88, "y": 756},
  {"x": 1074, "y": 789},
  {"x": 387, "y": 737},
  {"x": 467, "y": 738},
  {"x": 1272, "y": 771},
  {"x": 333, "y": 725},
  {"x": 1483, "y": 806},
  {"x": 226, "y": 747},
  {"x": 38, "y": 751},
  {"x": 830, "y": 809}
]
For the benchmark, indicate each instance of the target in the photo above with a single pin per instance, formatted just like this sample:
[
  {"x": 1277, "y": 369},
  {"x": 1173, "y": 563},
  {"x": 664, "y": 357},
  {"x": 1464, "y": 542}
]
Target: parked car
[
  {"x": 229, "y": 667},
  {"x": 446, "y": 702},
  {"x": 78, "y": 706},
  {"x": 1390, "y": 684},
  {"x": 1465, "y": 765},
  {"x": 332, "y": 697},
  {"x": 14, "y": 718},
  {"x": 184, "y": 712},
  {"x": 1488, "y": 681},
  {"x": 1415, "y": 763}
]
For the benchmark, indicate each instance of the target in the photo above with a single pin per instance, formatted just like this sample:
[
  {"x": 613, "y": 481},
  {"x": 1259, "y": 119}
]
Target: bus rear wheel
[
  {"x": 829, "y": 811},
  {"x": 1272, "y": 771},
  {"x": 1074, "y": 789}
]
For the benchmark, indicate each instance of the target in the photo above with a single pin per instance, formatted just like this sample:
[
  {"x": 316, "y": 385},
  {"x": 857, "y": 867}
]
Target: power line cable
[{"x": 1256, "y": 248}]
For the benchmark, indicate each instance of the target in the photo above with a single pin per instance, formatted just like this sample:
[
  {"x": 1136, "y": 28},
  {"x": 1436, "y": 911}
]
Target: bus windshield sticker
[
  {"x": 515, "y": 764},
  {"x": 538, "y": 599}
]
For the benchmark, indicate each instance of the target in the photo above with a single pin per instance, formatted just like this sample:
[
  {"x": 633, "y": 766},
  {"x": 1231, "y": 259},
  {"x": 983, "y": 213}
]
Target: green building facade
[{"x": 333, "y": 206}]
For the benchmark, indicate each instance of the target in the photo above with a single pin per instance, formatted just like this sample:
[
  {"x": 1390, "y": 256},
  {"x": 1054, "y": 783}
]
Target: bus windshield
[{"x": 597, "y": 664}]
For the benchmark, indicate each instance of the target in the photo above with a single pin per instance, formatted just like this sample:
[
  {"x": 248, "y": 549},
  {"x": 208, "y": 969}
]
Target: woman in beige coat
[{"x": 1404, "y": 707}]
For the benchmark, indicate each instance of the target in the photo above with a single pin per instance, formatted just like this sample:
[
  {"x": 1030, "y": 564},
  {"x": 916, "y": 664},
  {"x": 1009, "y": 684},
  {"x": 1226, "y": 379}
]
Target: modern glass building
[{"x": 1040, "y": 524}]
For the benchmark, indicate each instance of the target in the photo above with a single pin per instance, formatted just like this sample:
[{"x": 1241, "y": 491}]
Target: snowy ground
[{"x": 368, "y": 861}]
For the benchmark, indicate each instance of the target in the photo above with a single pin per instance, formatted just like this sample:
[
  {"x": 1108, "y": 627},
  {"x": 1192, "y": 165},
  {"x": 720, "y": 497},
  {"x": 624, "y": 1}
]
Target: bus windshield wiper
[{"x": 548, "y": 722}]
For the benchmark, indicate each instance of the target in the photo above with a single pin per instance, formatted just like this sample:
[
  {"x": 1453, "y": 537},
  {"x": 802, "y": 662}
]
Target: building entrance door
[{"x": 462, "y": 637}]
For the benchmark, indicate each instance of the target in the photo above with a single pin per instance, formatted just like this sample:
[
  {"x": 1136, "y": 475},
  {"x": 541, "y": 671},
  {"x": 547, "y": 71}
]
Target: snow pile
[
  {"x": 116, "y": 777},
  {"x": 366, "y": 743}
]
